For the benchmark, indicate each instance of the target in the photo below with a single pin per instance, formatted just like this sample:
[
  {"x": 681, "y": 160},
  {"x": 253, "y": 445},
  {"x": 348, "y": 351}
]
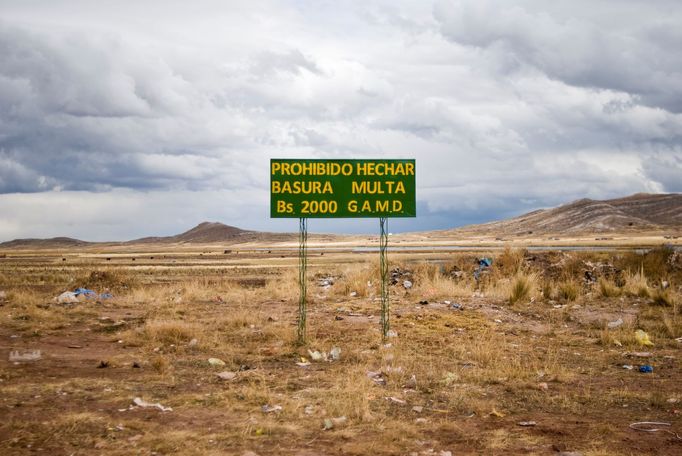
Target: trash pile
[
  {"x": 70, "y": 297},
  {"x": 484, "y": 265},
  {"x": 400, "y": 276}
]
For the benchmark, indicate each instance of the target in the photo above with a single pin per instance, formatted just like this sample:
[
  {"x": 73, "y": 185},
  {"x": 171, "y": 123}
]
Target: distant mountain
[
  {"x": 639, "y": 212},
  {"x": 203, "y": 233},
  {"x": 57, "y": 242}
]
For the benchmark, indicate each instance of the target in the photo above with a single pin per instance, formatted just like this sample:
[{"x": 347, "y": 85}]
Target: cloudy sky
[{"x": 121, "y": 119}]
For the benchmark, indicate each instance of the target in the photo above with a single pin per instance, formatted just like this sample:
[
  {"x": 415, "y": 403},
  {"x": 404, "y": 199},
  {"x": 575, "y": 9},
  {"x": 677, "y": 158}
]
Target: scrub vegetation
[{"x": 539, "y": 337}]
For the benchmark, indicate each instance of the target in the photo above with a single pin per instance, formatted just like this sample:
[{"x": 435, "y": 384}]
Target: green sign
[{"x": 342, "y": 188}]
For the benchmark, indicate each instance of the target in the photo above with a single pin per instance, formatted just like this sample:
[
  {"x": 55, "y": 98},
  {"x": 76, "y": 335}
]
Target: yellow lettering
[
  {"x": 276, "y": 166},
  {"x": 276, "y": 187}
]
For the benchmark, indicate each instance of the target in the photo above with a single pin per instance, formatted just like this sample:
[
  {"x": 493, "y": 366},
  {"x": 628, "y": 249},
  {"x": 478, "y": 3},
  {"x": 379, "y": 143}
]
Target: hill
[
  {"x": 639, "y": 212},
  {"x": 203, "y": 233},
  {"x": 56, "y": 242}
]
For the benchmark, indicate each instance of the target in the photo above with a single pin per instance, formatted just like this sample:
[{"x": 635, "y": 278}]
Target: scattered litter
[
  {"x": 303, "y": 363},
  {"x": 628, "y": 366},
  {"x": 615, "y": 324},
  {"x": 423, "y": 302},
  {"x": 411, "y": 383},
  {"x": 193, "y": 343},
  {"x": 646, "y": 369},
  {"x": 420, "y": 420},
  {"x": 309, "y": 410},
  {"x": 3, "y": 295},
  {"x": 144, "y": 404},
  {"x": 66, "y": 298},
  {"x": 570, "y": 453},
  {"x": 338, "y": 318},
  {"x": 643, "y": 338},
  {"x": 31, "y": 355},
  {"x": 396, "y": 400},
  {"x": 335, "y": 354},
  {"x": 85, "y": 292},
  {"x": 227, "y": 375},
  {"x": 216, "y": 362},
  {"x": 271, "y": 408},
  {"x": 377, "y": 377},
  {"x": 330, "y": 423},
  {"x": 543, "y": 386},
  {"x": 74, "y": 346},
  {"x": 417, "y": 409},
  {"x": 391, "y": 333},
  {"x": 679, "y": 339},
  {"x": 497, "y": 320},
  {"x": 641, "y": 354},
  {"x": 316, "y": 355},
  {"x": 407, "y": 284},
  {"x": 527, "y": 423},
  {"x": 106, "y": 295},
  {"x": 647, "y": 426},
  {"x": 353, "y": 294},
  {"x": 103, "y": 364},
  {"x": 456, "y": 306}
]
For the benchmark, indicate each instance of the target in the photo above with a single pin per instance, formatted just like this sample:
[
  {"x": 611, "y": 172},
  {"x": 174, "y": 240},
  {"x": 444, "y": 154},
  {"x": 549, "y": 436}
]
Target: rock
[
  {"x": 30, "y": 355},
  {"x": 615, "y": 324},
  {"x": 227, "y": 375},
  {"x": 216, "y": 362}
]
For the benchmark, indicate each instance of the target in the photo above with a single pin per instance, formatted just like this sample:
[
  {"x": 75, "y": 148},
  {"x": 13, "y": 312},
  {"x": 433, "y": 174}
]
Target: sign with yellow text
[{"x": 342, "y": 188}]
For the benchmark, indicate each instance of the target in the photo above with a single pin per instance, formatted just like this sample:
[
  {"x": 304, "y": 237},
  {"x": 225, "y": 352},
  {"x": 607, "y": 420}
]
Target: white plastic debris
[
  {"x": 66, "y": 297},
  {"x": 407, "y": 284},
  {"x": 335, "y": 354},
  {"x": 316, "y": 355},
  {"x": 396, "y": 400},
  {"x": 144, "y": 404},
  {"x": 271, "y": 408},
  {"x": 30, "y": 355},
  {"x": 527, "y": 423},
  {"x": 615, "y": 324}
]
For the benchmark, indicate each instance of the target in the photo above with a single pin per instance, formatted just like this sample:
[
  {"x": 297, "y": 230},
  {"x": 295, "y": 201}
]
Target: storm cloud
[{"x": 153, "y": 116}]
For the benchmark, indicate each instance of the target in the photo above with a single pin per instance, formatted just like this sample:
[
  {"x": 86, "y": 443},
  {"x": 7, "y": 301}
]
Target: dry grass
[{"x": 473, "y": 373}]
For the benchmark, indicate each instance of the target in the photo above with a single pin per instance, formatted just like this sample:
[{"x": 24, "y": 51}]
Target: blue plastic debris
[
  {"x": 84, "y": 291},
  {"x": 646, "y": 369},
  {"x": 106, "y": 296}
]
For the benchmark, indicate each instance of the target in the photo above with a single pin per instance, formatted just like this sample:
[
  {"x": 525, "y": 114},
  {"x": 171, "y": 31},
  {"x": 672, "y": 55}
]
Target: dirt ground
[{"x": 542, "y": 376}]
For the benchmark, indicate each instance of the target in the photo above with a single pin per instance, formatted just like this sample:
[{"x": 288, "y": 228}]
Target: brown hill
[
  {"x": 57, "y": 242},
  {"x": 203, "y": 233},
  {"x": 639, "y": 212}
]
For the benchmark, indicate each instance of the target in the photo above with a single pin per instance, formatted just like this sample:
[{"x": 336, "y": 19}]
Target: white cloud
[{"x": 507, "y": 106}]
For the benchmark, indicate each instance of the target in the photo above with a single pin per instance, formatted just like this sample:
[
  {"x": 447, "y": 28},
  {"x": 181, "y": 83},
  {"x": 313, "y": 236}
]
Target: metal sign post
[
  {"x": 302, "y": 282},
  {"x": 383, "y": 271},
  {"x": 308, "y": 188}
]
